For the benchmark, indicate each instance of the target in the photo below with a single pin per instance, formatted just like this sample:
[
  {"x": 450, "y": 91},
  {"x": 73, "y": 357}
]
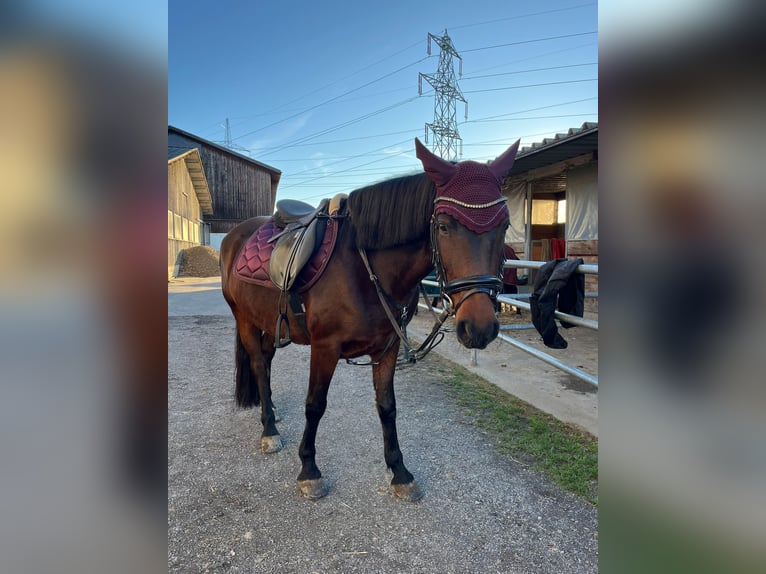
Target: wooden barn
[
  {"x": 189, "y": 201},
  {"x": 553, "y": 199},
  {"x": 240, "y": 187}
]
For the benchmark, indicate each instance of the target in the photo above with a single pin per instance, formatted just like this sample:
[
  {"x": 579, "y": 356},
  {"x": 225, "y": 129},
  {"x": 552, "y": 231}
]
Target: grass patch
[{"x": 563, "y": 453}]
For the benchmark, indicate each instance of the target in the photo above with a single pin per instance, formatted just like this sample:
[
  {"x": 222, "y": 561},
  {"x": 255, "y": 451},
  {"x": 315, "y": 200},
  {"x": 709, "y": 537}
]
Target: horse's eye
[{"x": 443, "y": 229}]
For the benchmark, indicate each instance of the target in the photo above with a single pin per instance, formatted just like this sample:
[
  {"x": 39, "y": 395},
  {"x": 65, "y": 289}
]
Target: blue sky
[{"x": 327, "y": 92}]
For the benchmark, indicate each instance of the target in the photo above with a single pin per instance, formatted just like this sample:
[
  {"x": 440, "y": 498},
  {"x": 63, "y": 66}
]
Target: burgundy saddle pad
[{"x": 253, "y": 260}]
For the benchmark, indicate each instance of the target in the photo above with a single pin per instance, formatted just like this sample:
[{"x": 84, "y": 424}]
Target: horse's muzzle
[
  {"x": 476, "y": 336},
  {"x": 478, "y": 326}
]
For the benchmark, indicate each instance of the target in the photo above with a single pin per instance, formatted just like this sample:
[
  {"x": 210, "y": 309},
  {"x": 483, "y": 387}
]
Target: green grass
[{"x": 563, "y": 453}]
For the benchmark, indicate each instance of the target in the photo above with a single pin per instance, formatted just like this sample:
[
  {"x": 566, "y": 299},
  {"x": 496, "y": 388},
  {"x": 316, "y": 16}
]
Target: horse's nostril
[{"x": 463, "y": 329}]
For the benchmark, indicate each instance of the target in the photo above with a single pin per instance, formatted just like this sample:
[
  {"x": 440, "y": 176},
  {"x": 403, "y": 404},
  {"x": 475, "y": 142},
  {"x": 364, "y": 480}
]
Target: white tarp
[
  {"x": 582, "y": 203},
  {"x": 516, "y": 202}
]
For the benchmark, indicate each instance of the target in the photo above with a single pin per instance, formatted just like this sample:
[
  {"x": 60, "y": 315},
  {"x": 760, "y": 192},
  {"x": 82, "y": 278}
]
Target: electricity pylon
[{"x": 447, "y": 142}]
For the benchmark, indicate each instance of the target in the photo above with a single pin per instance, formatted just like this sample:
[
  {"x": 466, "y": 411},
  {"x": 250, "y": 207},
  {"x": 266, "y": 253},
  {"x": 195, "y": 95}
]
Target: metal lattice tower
[{"x": 447, "y": 142}]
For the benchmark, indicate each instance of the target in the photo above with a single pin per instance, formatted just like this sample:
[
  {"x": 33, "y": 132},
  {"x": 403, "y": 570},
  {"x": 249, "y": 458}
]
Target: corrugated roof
[
  {"x": 576, "y": 142},
  {"x": 197, "y": 174}
]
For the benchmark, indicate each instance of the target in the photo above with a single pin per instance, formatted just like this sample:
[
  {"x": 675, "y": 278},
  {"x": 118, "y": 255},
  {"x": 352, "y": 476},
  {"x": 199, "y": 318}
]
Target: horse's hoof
[
  {"x": 409, "y": 492},
  {"x": 271, "y": 443},
  {"x": 313, "y": 489}
]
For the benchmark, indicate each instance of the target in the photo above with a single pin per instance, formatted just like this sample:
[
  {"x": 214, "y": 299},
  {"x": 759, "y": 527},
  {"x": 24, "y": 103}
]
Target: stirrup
[{"x": 279, "y": 342}]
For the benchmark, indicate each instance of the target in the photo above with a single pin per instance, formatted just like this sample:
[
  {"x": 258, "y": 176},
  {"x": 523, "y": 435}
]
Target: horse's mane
[{"x": 393, "y": 212}]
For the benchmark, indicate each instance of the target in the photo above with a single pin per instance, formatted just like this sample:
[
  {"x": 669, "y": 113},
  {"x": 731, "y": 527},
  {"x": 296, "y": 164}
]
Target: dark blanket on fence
[{"x": 557, "y": 286}]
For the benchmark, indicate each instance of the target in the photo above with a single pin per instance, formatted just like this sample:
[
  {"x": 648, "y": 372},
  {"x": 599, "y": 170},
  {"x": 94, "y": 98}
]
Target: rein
[
  {"x": 488, "y": 284},
  {"x": 400, "y": 327}
]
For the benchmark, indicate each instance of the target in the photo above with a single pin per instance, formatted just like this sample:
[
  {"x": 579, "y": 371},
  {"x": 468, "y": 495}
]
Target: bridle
[{"x": 489, "y": 284}]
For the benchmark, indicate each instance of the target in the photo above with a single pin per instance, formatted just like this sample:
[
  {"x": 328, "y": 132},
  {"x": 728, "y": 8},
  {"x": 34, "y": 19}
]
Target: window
[
  {"x": 177, "y": 226},
  {"x": 544, "y": 212}
]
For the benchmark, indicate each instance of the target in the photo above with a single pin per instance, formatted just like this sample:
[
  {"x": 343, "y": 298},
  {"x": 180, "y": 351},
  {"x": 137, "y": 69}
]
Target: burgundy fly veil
[{"x": 469, "y": 191}]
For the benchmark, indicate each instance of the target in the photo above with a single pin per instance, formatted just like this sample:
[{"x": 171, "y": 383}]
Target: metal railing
[{"x": 516, "y": 301}]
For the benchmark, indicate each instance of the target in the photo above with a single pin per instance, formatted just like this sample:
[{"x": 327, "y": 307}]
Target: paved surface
[
  {"x": 549, "y": 389},
  {"x": 232, "y": 508}
]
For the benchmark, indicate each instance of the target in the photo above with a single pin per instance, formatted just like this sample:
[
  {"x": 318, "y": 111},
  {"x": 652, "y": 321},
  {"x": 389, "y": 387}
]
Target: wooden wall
[
  {"x": 183, "y": 212},
  {"x": 588, "y": 250},
  {"x": 240, "y": 188}
]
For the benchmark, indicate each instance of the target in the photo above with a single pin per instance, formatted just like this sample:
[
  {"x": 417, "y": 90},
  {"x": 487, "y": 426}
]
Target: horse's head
[{"x": 467, "y": 236}]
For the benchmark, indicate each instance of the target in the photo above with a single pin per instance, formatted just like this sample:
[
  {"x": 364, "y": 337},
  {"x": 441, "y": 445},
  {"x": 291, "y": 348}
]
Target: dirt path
[{"x": 234, "y": 509}]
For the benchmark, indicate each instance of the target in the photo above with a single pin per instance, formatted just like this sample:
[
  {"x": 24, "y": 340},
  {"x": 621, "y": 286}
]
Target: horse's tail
[{"x": 246, "y": 389}]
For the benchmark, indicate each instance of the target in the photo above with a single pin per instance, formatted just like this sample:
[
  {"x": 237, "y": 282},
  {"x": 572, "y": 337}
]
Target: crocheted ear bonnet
[{"x": 469, "y": 191}]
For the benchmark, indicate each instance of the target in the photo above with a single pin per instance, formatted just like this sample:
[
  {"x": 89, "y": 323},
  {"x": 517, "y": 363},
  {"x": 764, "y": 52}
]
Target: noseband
[{"x": 488, "y": 284}]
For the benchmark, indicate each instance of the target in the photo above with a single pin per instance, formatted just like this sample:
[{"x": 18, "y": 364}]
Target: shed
[
  {"x": 189, "y": 201},
  {"x": 240, "y": 186},
  {"x": 552, "y": 194}
]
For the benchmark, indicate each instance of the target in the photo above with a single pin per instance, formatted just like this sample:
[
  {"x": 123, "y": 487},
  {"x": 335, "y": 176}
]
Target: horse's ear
[
  {"x": 503, "y": 163},
  {"x": 439, "y": 170}
]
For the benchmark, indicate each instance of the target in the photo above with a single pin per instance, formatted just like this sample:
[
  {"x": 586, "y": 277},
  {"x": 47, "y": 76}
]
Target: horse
[{"x": 451, "y": 217}]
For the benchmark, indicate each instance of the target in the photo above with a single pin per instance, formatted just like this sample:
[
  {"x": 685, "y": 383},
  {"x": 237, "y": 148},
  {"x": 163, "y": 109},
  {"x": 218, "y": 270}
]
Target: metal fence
[{"x": 516, "y": 300}]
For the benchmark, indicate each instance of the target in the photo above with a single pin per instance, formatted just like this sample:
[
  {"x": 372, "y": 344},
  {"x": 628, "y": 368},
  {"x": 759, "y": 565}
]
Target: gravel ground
[{"x": 232, "y": 508}]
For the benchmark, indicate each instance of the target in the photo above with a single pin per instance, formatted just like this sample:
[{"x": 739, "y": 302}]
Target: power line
[
  {"x": 340, "y": 126},
  {"x": 355, "y": 157},
  {"x": 535, "y": 109},
  {"x": 531, "y": 85},
  {"x": 360, "y": 70},
  {"x": 530, "y": 70},
  {"x": 310, "y": 108},
  {"x": 530, "y": 41},
  {"x": 523, "y": 16},
  {"x": 536, "y": 56},
  {"x": 478, "y": 120},
  {"x": 533, "y": 118},
  {"x": 331, "y": 99}
]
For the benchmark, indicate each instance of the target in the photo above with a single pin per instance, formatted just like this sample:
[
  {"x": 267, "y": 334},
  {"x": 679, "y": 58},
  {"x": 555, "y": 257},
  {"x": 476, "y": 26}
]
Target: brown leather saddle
[{"x": 290, "y": 252}]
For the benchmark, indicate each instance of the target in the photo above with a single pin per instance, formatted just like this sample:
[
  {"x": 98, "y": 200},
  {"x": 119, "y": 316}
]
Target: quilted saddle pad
[{"x": 254, "y": 257}]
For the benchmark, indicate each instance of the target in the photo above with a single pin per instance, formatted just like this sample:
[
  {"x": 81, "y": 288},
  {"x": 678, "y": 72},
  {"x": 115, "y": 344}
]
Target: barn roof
[
  {"x": 197, "y": 173},
  {"x": 564, "y": 146},
  {"x": 273, "y": 172}
]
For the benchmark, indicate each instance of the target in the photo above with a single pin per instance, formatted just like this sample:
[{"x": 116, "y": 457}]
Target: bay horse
[{"x": 452, "y": 217}]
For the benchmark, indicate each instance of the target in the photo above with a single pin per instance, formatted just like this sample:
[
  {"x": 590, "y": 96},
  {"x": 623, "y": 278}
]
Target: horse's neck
[{"x": 400, "y": 269}]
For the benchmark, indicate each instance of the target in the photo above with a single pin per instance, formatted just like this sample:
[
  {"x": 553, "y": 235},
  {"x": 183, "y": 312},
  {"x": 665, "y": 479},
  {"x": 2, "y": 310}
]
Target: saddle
[
  {"x": 302, "y": 231},
  {"x": 290, "y": 252}
]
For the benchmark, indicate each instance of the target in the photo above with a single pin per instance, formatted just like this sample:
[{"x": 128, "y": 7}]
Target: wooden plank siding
[
  {"x": 248, "y": 191},
  {"x": 240, "y": 187},
  {"x": 183, "y": 209},
  {"x": 588, "y": 250}
]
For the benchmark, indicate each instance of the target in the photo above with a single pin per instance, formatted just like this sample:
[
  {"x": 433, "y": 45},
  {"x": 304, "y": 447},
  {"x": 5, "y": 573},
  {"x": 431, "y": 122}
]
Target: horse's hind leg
[
  {"x": 323, "y": 363},
  {"x": 403, "y": 484},
  {"x": 269, "y": 349},
  {"x": 259, "y": 350}
]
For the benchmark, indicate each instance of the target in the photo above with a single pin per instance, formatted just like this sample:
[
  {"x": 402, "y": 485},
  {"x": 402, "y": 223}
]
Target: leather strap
[{"x": 431, "y": 341}]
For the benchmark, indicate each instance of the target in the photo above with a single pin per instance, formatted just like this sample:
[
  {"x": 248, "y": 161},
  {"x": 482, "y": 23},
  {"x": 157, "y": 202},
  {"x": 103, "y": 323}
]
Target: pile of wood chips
[{"x": 199, "y": 261}]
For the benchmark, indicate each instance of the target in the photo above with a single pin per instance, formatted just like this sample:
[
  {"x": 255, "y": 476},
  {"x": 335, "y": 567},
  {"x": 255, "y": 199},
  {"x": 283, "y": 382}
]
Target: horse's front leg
[
  {"x": 403, "y": 484},
  {"x": 323, "y": 363}
]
